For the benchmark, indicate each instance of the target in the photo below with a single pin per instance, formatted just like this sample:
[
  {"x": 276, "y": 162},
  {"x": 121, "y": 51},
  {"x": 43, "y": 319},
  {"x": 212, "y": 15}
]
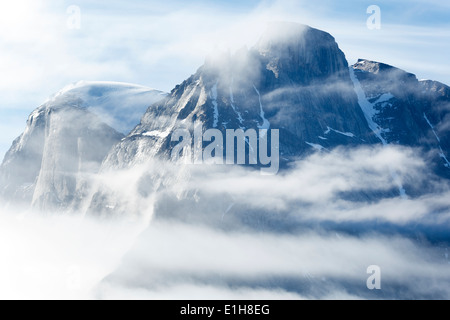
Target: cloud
[
  {"x": 194, "y": 292},
  {"x": 310, "y": 232},
  {"x": 228, "y": 232},
  {"x": 58, "y": 257},
  {"x": 173, "y": 261},
  {"x": 160, "y": 45},
  {"x": 353, "y": 185},
  {"x": 319, "y": 178},
  {"x": 148, "y": 43}
]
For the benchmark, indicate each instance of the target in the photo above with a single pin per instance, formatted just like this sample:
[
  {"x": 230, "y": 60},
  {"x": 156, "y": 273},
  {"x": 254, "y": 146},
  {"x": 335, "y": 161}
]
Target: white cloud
[
  {"x": 58, "y": 257},
  {"x": 226, "y": 252},
  {"x": 176, "y": 261},
  {"x": 317, "y": 180},
  {"x": 119, "y": 42},
  {"x": 193, "y": 292},
  {"x": 40, "y": 256}
]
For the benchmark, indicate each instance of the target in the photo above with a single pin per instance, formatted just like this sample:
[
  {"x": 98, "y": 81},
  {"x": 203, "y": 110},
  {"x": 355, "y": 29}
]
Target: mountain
[
  {"x": 294, "y": 79},
  {"x": 405, "y": 111},
  {"x": 102, "y": 149},
  {"x": 66, "y": 140},
  {"x": 298, "y": 82}
]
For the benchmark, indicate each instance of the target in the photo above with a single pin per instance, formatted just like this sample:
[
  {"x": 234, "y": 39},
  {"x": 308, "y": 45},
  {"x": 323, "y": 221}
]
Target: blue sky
[{"x": 159, "y": 44}]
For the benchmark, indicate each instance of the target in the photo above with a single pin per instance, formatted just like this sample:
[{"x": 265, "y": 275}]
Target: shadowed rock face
[
  {"x": 296, "y": 79},
  {"x": 409, "y": 112}
]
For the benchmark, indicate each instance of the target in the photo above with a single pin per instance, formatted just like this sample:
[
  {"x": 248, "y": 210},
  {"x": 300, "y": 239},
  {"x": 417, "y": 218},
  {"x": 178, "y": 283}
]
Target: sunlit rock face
[{"x": 66, "y": 140}]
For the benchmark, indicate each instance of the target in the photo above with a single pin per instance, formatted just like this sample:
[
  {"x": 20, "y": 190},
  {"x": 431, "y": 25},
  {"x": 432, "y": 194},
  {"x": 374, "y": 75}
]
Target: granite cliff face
[{"x": 65, "y": 141}]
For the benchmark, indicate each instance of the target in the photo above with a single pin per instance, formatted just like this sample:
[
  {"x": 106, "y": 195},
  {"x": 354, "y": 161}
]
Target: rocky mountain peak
[
  {"x": 295, "y": 79},
  {"x": 384, "y": 70}
]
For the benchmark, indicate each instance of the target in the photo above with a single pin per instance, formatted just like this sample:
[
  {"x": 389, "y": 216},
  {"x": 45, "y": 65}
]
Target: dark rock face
[
  {"x": 408, "y": 112},
  {"x": 296, "y": 79}
]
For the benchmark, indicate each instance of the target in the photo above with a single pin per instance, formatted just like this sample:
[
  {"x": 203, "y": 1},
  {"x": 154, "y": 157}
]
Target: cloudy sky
[{"x": 44, "y": 46}]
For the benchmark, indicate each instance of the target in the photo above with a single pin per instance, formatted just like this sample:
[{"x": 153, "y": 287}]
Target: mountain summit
[{"x": 296, "y": 79}]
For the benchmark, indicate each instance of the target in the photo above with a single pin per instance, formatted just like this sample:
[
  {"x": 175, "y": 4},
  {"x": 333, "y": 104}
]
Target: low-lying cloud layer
[
  {"x": 49, "y": 257},
  {"x": 226, "y": 232},
  {"x": 185, "y": 262}
]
